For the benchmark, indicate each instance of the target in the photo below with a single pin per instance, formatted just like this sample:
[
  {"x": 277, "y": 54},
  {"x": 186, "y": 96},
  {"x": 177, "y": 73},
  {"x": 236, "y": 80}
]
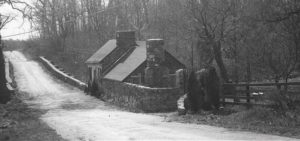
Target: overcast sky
[{"x": 19, "y": 25}]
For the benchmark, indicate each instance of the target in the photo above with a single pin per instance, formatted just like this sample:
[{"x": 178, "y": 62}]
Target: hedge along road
[{"x": 76, "y": 116}]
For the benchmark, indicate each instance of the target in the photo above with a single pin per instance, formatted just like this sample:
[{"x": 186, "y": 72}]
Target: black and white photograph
[{"x": 155, "y": 70}]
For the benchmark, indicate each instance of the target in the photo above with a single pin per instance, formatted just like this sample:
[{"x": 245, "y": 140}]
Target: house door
[{"x": 90, "y": 75}]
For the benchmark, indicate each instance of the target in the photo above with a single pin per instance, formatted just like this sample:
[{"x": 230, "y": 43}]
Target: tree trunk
[
  {"x": 286, "y": 85},
  {"x": 219, "y": 60},
  {"x": 2, "y": 69},
  {"x": 4, "y": 94},
  {"x": 249, "y": 76}
]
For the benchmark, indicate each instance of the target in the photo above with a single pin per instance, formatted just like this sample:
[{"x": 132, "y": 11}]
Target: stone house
[
  {"x": 140, "y": 62},
  {"x": 136, "y": 74}
]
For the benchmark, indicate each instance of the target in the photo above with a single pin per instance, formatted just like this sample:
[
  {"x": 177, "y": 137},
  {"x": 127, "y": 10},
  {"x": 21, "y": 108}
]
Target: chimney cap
[
  {"x": 125, "y": 34},
  {"x": 155, "y": 42},
  {"x": 158, "y": 39},
  {"x": 125, "y": 31}
]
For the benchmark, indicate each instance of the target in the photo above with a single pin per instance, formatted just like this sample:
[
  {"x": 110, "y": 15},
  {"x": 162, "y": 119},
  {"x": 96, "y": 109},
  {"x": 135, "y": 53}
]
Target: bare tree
[
  {"x": 284, "y": 17},
  {"x": 5, "y": 20},
  {"x": 212, "y": 22}
]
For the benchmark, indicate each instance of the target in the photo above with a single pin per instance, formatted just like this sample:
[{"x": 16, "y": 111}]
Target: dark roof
[
  {"x": 173, "y": 57},
  {"x": 102, "y": 52},
  {"x": 133, "y": 61},
  {"x": 122, "y": 70}
]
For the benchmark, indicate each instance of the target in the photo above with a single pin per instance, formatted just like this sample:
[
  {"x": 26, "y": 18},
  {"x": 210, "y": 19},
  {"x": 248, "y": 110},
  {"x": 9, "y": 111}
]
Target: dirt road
[{"x": 78, "y": 117}]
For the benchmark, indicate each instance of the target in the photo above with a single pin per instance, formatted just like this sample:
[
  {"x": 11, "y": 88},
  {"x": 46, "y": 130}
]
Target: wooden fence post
[
  {"x": 222, "y": 94},
  {"x": 235, "y": 94},
  {"x": 248, "y": 93}
]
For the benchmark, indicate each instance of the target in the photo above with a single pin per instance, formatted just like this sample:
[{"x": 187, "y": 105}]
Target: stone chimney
[
  {"x": 125, "y": 39},
  {"x": 155, "y": 52},
  {"x": 155, "y": 72}
]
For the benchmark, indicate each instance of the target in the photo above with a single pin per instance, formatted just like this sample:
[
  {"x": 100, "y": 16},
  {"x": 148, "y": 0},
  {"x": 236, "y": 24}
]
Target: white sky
[{"x": 19, "y": 25}]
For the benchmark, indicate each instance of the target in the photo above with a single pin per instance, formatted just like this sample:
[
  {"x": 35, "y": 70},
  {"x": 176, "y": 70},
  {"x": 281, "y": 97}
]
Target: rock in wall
[{"x": 140, "y": 98}]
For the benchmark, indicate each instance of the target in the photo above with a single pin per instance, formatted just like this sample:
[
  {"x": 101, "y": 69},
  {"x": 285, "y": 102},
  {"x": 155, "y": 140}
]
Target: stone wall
[
  {"x": 57, "y": 72},
  {"x": 140, "y": 98},
  {"x": 9, "y": 75},
  {"x": 134, "y": 97}
]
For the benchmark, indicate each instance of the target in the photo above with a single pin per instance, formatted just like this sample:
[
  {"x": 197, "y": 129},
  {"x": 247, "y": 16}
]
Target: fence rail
[
  {"x": 262, "y": 84},
  {"x": 245, "y": 91}
]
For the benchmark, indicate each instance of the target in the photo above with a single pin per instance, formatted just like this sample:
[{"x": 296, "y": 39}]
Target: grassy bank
[
  {"x": 18, "y": 122},
  {"x": 256, "y": 119}
]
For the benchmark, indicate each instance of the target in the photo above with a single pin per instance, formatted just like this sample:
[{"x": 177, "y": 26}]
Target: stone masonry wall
[
  {"x": 140, "y": 98},
  {"x": 62, "y": 75}
]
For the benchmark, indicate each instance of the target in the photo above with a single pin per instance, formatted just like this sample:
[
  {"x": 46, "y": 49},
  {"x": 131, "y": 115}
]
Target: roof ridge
[{"x": 102, "y": 52}]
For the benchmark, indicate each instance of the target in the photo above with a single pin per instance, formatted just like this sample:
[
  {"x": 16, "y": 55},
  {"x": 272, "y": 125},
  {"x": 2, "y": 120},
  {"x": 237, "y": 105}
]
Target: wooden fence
[{"x": 243, "y": 93}]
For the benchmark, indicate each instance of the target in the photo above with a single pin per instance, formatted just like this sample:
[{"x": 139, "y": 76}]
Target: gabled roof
[
  {"x": 126, "y": 67},
  {"x": 102, "y": 52},
  {"x": 133, "y": 61}
]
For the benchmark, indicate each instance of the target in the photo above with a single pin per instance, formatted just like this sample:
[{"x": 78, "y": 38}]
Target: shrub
[{"x": 281, "y": 100}]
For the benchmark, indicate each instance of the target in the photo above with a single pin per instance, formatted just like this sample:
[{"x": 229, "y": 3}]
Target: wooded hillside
[{"x": 247, "y": 39}]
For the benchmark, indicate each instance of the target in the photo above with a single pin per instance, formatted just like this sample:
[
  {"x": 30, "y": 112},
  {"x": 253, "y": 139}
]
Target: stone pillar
[
  {"x": 155, "y": 52},
  {"x": 155, "y": 56}
]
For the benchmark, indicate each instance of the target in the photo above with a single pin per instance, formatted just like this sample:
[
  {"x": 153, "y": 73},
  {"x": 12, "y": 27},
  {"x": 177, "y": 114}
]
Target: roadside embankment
[
  {"x": 17, "y": 120},
  {"x": 6, "y": 89}
]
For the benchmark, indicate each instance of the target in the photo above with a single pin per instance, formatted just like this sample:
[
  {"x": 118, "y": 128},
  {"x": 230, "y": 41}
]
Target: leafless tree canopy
[
  {"x": 246, "y": 39},
  {"x": 24, "y": 8}
]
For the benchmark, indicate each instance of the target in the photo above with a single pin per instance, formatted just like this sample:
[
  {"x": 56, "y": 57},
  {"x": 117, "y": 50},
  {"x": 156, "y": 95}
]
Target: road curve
[{"x": 78, "y": 117}]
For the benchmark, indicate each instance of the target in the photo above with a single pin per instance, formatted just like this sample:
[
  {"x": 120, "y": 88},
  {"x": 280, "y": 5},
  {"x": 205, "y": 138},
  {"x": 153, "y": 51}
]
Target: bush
[
  {"x": 281, "y": 100},
  {"x": 262, "y": 117},
  {"x": 4, "y": 96}
]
